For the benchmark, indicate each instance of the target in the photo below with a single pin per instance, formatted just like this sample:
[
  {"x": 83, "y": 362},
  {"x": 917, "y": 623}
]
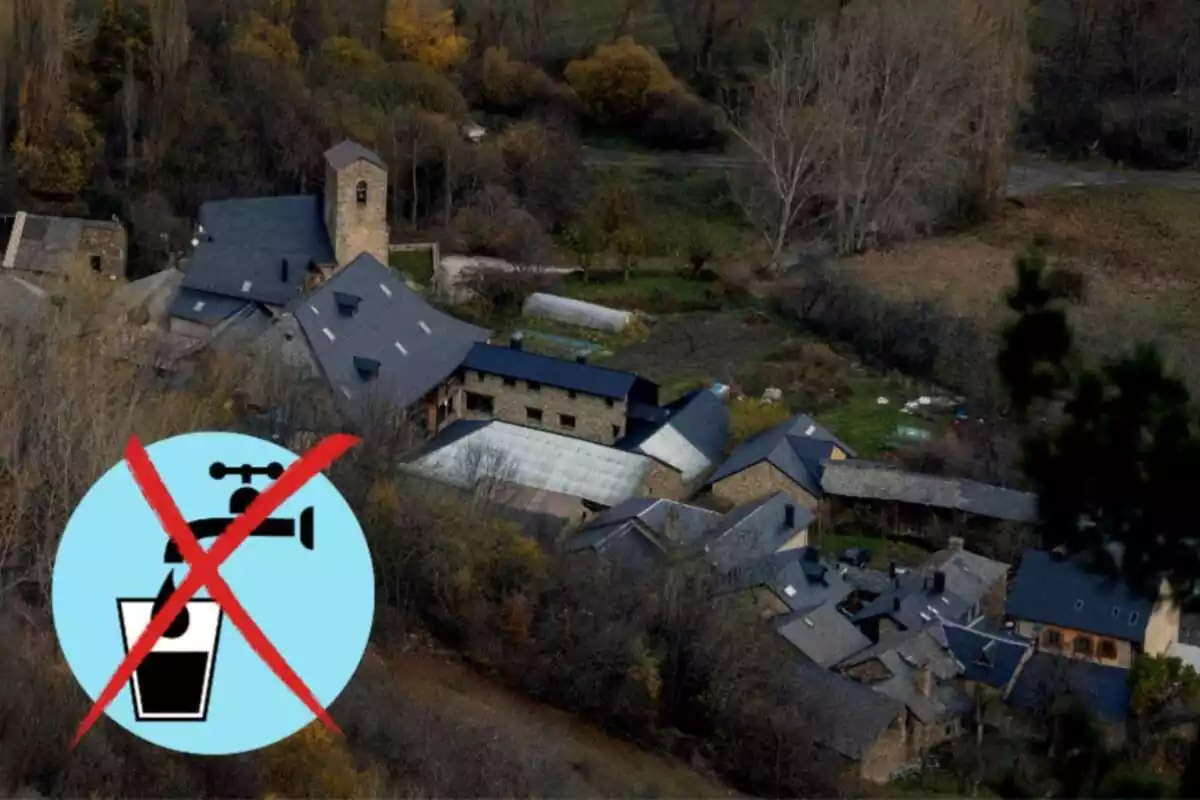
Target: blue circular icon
[{"x": 304, "y": 576}]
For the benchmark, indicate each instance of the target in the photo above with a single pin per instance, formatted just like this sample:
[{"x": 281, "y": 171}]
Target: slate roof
[
  {"x": 796, "y": 447},
  {"x": 919, "y": 606},
  {"x": 824, "y": 635},
  {"x": 799, "y": 578},
  {"x": 347, "y": 152},
  {"x": 968, "y": 575},
  {"x": 692, "y": 437},
  {"x": 872, "y": 481},
  {"x": 468, "y": 450},
  {"x": 842, "y": 714},
  {"x": 244, "y": 243},
  {"x": 416, "y": 346},
  {"x": 755, "y": 529},
  {"x": 987, "y": 658},
  {"x": 667, "y": 520},
  {"x": 1045, "y": 677},
  {"x": 522, "y": 365},
  {"x": 48, "y": 244},
  {"x": 1065, "y": 594}
]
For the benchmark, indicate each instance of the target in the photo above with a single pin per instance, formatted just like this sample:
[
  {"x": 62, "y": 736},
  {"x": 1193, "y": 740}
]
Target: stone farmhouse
[{"x": 42, "y": 248}]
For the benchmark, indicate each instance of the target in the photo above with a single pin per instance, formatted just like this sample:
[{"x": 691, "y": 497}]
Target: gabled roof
[
  {"x": 666, "y": 520},
  {"x": 987, "y": 658},
  {"x": 1046, "y": 677},
  {"x": 915, "y": 605},
  {"x": 691, "y": 439},
  {"x": 796, "y": 447},
  {"x": 799, "y": 578},
  {"x": 509, "y": 362},
  {"x": 840, "y": 713},
  {"x": 347, "y": 152},
  {"x": 872, "y": 481},
  {"x": 244, "y": 243},
  {"x": 416, "y": 345},
  {"x": 468, "y": 450},
  {"x": 823, "y": 635},
  {"x": 755, "y": 529},
  {"x": 968, "y": 575},
  {"x": 1064, "y": 593}
]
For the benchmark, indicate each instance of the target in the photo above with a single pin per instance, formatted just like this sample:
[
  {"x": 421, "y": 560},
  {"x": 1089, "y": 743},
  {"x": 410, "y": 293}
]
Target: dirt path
[
  {"x": 605, "y": 766},
  {"x": 1027, "y": 177}
]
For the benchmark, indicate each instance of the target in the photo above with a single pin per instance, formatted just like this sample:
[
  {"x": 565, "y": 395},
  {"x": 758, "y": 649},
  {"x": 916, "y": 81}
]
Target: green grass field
[{"x": 417, "y": 265}]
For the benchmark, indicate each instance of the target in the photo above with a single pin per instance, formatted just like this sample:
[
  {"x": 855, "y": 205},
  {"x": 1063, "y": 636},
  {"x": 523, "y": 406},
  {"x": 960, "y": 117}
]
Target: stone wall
[
  {"x": 594, "y": 419},
  {"x": 757, "y": 482},
  {"x": 444, "y": 405},
  {"x": 664, "y": 482},
  {"x": 356, "y": 228},
  {"x": 887, "y": 756},
  {"x": 103, "y": 248}
]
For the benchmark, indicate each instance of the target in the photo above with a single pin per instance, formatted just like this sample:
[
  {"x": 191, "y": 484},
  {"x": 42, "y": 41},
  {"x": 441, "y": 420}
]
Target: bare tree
[
  {"x": 171, "y": 40},
  {"x": 785, "y": 138},
  {"x": 489, "y": 472}
]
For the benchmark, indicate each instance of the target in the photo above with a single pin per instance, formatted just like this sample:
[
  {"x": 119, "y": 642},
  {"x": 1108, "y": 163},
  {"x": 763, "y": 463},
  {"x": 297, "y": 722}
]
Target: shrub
[
  {"x": 311, "y": 763},
  {"x": 516, "y": 87},
  {"x": 547, "y": 172},
  {"x": 618, "y": 81},
  {"x": 494, "y": 224},
  {"x": 681, "y": 121}
]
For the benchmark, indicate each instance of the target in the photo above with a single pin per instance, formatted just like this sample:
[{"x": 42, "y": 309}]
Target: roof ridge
[{"x": 587, "y": 364}]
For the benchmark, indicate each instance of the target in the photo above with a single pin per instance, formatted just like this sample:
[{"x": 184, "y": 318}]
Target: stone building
[
  {"x": 47, "y": 248},
  {"x": 356, "y": 184},
  {"x": 254, "y": 257},
  {"x": 573, "y": 398},
  {"x": 1069, "y": 610},
  {"x": 789, "y": 457}
]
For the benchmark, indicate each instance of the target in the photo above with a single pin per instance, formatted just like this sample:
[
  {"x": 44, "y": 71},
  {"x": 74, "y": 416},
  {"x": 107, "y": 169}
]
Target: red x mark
[{"x": 204, "y": 568}]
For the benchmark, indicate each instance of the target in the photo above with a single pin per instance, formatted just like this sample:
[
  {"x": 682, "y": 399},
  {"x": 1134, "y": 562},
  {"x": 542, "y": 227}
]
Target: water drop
[{"x": 180, "y": 624}]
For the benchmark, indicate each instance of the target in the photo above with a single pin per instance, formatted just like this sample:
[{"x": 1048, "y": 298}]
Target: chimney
[
  {"x": 517, "y": 341},
  {"x": 895, "y": 603},
  {"x": 811, "y": 554},
  {"x": 284, "y": 271},
  {"x": 924, "y": 681},
  {"x": 939, "y": 582},
  {"x": 892, "y": 570},
  {"x": 956, "y": 543},
  {"x": 789, "y": 516}
]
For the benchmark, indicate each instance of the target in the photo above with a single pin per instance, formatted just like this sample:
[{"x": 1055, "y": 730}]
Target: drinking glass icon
[{"x": 173, "y": 683}]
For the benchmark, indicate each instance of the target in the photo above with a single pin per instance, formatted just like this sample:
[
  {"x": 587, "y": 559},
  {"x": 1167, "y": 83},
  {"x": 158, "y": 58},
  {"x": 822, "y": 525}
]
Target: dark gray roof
[
  {"x": 796, "y": 447},
  {"x": 1064, "y": 593},
  {"x": 691, "y": 436},
  {"x": 824, "y": 634},
  {"x": 800, "y": 578},
  {"x": 870, "y": 581},
  {"x": 666, "y": 520},
  {"x": 343, "y": 155},
  {"x": 873, "y": 481},
  {"x": 205, "y": 307},
  {"x": 22, "y": 303},
  {"x": 416, "y": 345},
  {"x": 754, "y": 530},
  {"x": 841, "y": 714},
  {"x": 968, "y": 575},
  {"x": 245, "y": 242},
  {"x": 919, "y": 606},
  {"x": 987, "y": 658},
  {"x": 1045, "y": 678},
  {"x": 522, "y": 365}
]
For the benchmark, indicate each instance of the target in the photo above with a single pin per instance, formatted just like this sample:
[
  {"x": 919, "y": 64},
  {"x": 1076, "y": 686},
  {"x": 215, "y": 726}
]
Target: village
[{"x": 895, "y": 651}]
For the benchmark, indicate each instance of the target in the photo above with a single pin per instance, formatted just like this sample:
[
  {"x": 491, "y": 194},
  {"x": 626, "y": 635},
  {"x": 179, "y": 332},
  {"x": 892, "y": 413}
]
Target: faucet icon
[{"x": 239, "y": 501}]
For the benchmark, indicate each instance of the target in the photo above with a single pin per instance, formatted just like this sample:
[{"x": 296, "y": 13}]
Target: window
[
  {"x": 1133, "y": 617},
  {"x": 1108, "y": 649},
  {"x": 97, "y": 264},
  {"x": 1083, "y": 645},
  {"x": 479, "y": 376},
  {"x": 616, "y": 431},
  {"x": 571, "y": 394},
  {"x": 567, "y": 421},
  {"x": 1052, "y": 638},
  {"x": 361, "y": 193},
  {"x": 608, "y": 401},
  {"x": 534, "y": 386},
  {"x": 533, "y": 414},
  {"x": 1116, "y": 611},
  {"x": 510, "y": 382},
  {"x": 479, "y": 402},
  {"x": 441, "y": 414},
  {"x": 450, "y": 404}
]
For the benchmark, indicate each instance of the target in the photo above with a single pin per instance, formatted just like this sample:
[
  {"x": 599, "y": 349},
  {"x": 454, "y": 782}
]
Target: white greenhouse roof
[
  {"x": 673, "y": 449},
  {"x": 576, "y": 312},
  {"x": 537, "y": 459}
]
